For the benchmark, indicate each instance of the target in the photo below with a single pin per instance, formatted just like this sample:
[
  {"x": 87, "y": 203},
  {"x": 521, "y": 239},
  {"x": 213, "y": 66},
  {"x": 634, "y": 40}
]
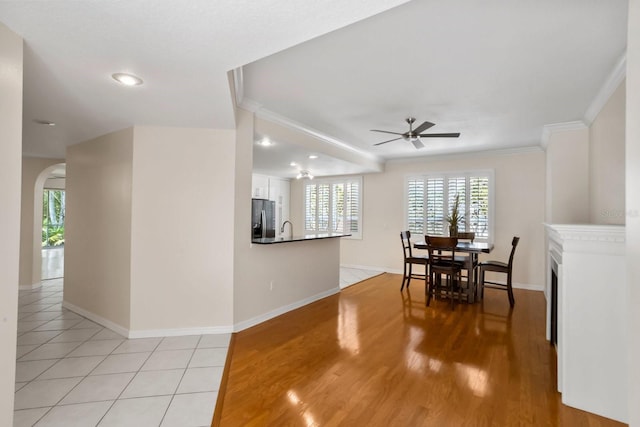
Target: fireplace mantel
[{"x": 589, "y": 264}]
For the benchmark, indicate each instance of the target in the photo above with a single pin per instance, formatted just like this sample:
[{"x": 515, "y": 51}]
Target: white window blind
[
  {"x": 333, "y": 205},
  {"x": 430, "y": 198},
  {"x": 434, "y": 204}
]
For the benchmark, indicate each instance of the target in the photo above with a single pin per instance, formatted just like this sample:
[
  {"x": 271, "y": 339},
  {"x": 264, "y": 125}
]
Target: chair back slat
[
  {"x": 466, "y": 235},
  {"x": 442, "y": 250},
  {"x": 405, "y": 237}
]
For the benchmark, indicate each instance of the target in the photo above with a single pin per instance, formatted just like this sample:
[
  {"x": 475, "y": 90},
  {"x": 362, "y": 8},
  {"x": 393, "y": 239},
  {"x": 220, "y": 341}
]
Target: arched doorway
[{"x": 48, "y": 227}]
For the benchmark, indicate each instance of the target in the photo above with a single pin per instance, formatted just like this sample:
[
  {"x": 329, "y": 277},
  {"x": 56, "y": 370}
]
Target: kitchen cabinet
[
  {"x": 276, "y": 189},
  {"x": 259, "y": 186}
]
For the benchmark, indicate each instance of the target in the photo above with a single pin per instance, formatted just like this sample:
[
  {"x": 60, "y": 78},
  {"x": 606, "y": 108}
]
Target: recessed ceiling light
[
  {"x": 265, "y": 142},
  {"x": 313, "y": 156},
  {"x": 127, "y": 79},
  {"x": 292, "y": 164},
  {"x": 45, "y": 122}
]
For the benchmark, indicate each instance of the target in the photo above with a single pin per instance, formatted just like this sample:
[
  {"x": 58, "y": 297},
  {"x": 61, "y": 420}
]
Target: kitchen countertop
[{"x": 273, "y": 240}]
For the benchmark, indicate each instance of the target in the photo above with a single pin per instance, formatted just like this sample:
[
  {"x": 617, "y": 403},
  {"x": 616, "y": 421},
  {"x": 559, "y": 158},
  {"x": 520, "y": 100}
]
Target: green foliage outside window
[{"x": 53, "y": 212}]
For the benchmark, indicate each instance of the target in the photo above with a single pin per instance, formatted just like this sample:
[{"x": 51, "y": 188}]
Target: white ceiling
[{"x": 497, "y": 71}]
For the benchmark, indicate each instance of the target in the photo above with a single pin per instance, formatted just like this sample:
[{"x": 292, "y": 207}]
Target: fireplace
[
  {"x": 553, "y": 312},
  {"x": 586, "y": 288}
]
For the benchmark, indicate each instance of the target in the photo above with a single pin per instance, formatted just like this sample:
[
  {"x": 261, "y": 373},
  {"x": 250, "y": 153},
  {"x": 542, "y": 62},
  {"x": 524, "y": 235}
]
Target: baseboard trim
[
  {"x": 528, "y": 287},
  {"x": 245, "y": 324},
  {"x": 153, "y": 333},
  {"x": 525, "y": 286},
  {"x": 30, "y": 287},
  {"x": 98, "y": 319},
  {"x": 146, "y": 333},
  {"x": 368, "y": 267}
]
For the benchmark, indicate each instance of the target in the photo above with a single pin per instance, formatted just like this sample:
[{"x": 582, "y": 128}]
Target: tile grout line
[
  {"x": 179, "y": 382},
  {"x": 59, "y": 317}
]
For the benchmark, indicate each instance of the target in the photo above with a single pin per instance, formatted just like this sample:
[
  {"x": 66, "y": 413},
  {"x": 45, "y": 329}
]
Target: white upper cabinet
[
  {"x": 259, "y": 186},
  {"x": 278, "y": 190}
]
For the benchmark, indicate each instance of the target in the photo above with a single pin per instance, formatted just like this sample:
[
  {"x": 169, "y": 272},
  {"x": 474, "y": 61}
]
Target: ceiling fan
[{"x": 414, "y": 135}]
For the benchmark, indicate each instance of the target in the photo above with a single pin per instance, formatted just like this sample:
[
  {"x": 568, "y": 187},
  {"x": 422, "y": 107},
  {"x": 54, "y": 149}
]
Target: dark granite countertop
[{"x": 273, "y": 240}]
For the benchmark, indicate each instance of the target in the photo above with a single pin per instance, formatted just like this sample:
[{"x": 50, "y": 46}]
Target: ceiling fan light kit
[{"x": 413, "y": 135}]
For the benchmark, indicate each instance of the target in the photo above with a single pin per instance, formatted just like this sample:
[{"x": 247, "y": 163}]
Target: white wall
[
  {"x": 98, "y": 227},
  {"x": 182, "y": 229},
  {"x": 606, "y": 162},
  {"x": 10, "y": 170},
  {"x": 567, "y": 177},
  {"x": 633, "y": 205},
  {"x": 519, "y": 211},
  {"x": 30, "y": 257}
]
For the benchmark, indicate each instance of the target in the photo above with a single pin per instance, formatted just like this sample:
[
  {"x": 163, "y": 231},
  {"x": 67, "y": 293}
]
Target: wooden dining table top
[{"x": 464, "y": 246}]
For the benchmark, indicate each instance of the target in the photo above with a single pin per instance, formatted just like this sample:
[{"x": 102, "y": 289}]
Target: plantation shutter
[
  {"x": 324, "y": 208},
  {"x": 310, "y": 207},
  {"x": 337, "y": 208},
  {"x": 352, "y": 207},
  {"x": 333, "y": 206},
  {"x": 456, "y": 187},
  {"x": 435, "y": 206},
  {"x": 415, "y": 206},
  {"x": 430, "y": 200},
  {"x": 479, "y": 206}
]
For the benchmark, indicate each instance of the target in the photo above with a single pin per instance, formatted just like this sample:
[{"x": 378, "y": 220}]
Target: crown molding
[
  {"x": 548, "y": 130},
  {"x": 610, "y": 85}
]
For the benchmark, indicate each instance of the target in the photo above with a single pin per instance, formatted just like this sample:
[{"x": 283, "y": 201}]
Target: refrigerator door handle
[{"x": 263, "y": 223}]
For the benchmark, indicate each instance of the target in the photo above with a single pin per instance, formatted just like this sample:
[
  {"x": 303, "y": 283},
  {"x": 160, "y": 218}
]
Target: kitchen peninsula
[
  {"x": 286, "y": 273},
  {"x": 273, "y": 240}
]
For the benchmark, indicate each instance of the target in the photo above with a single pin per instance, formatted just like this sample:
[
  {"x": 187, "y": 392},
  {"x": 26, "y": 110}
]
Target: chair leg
[
  {"x": 481, "y": 283},
  {"x": 452, "y": 280},
  {"x": 404, "y": 277},
  {"x": 409, "y": 276},
  {"x": 429, "y": 289},
  {"x": 512, "y": 300}
]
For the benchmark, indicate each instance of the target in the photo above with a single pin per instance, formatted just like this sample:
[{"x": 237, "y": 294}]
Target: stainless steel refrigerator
[{"x": 263, "y": 222}]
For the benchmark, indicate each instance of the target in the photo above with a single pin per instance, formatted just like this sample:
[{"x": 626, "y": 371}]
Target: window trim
[
  {"x": 336, "y": 180},
  {"x": 489, "y": 173}
]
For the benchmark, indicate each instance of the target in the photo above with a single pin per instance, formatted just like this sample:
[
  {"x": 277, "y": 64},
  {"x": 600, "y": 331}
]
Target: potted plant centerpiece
[{"x": 455, "y": 217}]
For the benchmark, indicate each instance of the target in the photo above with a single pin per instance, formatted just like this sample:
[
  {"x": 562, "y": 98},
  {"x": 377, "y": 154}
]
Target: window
[
  {"x": 333, "y": 205},
  {"x": 53, "y": 213},
  {"x": 430, "y": 198}
]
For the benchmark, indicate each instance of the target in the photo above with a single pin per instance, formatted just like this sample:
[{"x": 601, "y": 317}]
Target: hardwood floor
[{"x": 373, "y": 356}]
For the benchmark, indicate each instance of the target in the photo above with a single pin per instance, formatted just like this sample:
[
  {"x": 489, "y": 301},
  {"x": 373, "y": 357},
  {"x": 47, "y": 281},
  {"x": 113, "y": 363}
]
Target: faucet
[{"x": 285, "y": 223}]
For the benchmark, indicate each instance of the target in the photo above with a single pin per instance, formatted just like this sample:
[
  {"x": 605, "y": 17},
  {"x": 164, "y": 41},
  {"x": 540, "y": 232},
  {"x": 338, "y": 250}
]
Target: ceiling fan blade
[
  {"x": 386, "y": 131},
  {"x": 417, "y": 143},
  {"x": 384, "y": 142},
  {"x": 440, "y": 135},
  {"x": 423, "y": 126}
]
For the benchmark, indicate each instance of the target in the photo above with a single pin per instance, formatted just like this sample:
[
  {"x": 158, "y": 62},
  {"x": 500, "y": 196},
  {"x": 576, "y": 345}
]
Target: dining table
[{"x": 473, "y": 249}]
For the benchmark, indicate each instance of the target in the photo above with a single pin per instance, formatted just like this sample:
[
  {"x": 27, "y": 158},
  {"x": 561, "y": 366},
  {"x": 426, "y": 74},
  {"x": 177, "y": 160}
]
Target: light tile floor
[
  {"x": 52, "y": 266},
  {"x": 350, "y": 276},
  {"x": 71, "y": 371}
]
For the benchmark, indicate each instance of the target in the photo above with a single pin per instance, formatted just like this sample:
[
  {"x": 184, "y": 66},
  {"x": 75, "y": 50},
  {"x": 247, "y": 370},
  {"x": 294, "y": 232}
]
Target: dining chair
[
  {"x": 499, "y": 267},
  {"x": 468, "y": 236},
  {"x": 410, "y": 259},
  {"x": 442, "y": 254}
]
